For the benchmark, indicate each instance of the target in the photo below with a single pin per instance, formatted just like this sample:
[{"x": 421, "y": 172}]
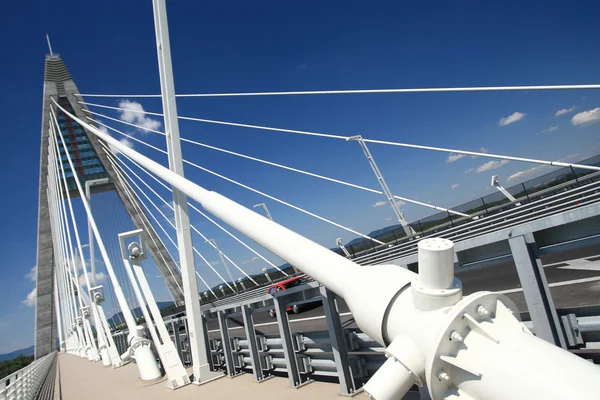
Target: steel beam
[
  {"x": 338, "y": 342},
  {"x": 226, "y": 343},
  {"x": 535, "y": 288},
  {"x": 285, "y": 333},
  {"x": 257, "y": 369}
]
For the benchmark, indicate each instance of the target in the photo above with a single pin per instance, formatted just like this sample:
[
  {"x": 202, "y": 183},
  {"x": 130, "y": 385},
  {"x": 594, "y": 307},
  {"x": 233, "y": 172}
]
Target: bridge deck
[{"x": 82, "y": 379}]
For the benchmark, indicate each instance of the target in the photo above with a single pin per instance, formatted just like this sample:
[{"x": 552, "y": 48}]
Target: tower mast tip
[{"x": 49, "y": 45}]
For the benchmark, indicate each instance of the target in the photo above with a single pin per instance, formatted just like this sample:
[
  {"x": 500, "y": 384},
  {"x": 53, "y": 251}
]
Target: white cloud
[
  {"x": 250, "y": 260},
  {"x": 100, "y": 277},
  {"x": 483, "y": 150},
  {"x": 32, "y": 274},
  {"x": 454, "y": 186},
  {"x": 135, "y": 114},
  {"x": 564, "y": 111},
  {"x": 30, "y": 299},
  {"x": 551, "y": 129},
  {"x": 490, "y": 165},
  {"x": 454, "y": 157},
  {"x": 514, "y": 117},
  {"x": 380, "y": 204},
  {"x": 525, "y": 173},
  {"x": 586, "y": 117},
  {"x": 389, "y": 218},
  {"x": 400, "y": 203},
  {"x": 530, "y": 172},
  {"x": 468, "y": 171}
]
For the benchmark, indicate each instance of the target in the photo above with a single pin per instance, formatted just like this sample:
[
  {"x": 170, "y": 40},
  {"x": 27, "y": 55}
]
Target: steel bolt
[
  {"x": 456, "y": 336},
  {"x": 443, "y": 376},
  {"x": 481, "y": 310}
]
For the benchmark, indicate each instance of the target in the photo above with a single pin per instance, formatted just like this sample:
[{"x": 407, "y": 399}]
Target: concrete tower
[{"x": 90, "y": 163}]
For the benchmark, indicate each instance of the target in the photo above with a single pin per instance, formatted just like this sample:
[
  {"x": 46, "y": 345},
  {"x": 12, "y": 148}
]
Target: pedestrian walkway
[{"x": 83, "y": 379}]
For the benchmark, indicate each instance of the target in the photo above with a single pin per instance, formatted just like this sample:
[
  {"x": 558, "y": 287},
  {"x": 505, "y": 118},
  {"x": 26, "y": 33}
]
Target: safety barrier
[{"x": 28, "y": 382}]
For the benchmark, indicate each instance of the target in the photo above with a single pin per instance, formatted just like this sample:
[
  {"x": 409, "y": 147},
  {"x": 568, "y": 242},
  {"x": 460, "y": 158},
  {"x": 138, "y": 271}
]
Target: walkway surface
[{"x": 83, "y": 379}]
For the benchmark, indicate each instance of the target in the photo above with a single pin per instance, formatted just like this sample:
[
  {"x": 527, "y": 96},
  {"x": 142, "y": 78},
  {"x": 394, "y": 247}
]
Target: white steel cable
[
  {"x": 172, "y": 209},
  {"x": 130, "y": 193},
  {"x": 126, "y": 135},
  {"x": 164, "y": 216},
  {"x": 488, "y": 155},
  {"x": 366, "y": 91},
  {"x": 131, "y": 323},
  {"x": 320, "y": 176},
  {"x": 282, "y": 202},
  {"x": 125, "y": 122},
  {"x": 389, "y": 143},
  {"x": 71, "y": 260},
  {"x": 207, "y": 217},
  {"x": 240, "y": 125},
  {"x": 89, "y": 340},
  {"x": 118, "y": 108},
  {"x": 149, "y": 227},
  {"x": 147, "y": 222},
  {"x": 60, "y": 242},
  {"x": 114, "y": 163},
  {"x": 190, "y": 204}
]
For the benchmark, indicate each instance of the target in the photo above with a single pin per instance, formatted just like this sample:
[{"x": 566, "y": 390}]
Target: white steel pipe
[
  {"x": 140, "y": 347},
  {"x": 384, "y": 307},
  {"x": 176, "y": 374}
]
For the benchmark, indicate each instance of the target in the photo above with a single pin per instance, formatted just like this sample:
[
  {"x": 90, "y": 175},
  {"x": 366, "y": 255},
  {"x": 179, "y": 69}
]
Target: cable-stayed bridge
[{"x": 388, "y": 316}]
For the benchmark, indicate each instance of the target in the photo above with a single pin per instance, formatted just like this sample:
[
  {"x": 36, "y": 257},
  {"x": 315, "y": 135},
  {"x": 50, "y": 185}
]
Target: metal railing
[
  {"x": 311, "y": 355},
  {"x": 526, "y": 192},
  {"x": 553, "y": 204},
  {"x": 27, "y": 383}
]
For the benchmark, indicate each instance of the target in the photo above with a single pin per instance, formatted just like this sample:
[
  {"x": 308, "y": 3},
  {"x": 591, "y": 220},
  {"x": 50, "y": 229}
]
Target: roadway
[{"x": 573, "y": 276}]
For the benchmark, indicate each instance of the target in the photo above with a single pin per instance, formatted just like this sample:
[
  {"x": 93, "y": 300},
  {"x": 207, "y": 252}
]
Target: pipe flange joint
[
  {"x": 465, "y": 317},
  {"x": 403, "y": 350},
  {"x": 427, "y": 299}
]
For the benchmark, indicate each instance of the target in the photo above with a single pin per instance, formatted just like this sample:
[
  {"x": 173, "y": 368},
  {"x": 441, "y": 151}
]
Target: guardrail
[
  {"x": 347, "y": 354},
  {"x": 505, "y": 208},
  {"x": 554, "y": 204},
  {"x": 27, "y": 383}
]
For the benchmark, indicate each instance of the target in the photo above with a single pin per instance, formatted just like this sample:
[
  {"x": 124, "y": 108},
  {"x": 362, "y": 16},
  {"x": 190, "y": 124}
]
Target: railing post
[
  {"x": 257, "y": 369},
  {"x": 485, "y": 206},
  {"x": 338, "y": 341},
  {"x": 226, "y": 343},
  {"x": 535, "y": 289},
  {"x": 526, "y": 192},
  {"x": 574, "y": 175},
  {"x": 450, "y": 218},
  {"x": 285, "y": 332}
]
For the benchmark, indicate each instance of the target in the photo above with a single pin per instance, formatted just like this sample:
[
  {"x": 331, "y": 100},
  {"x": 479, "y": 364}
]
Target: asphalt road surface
[{"x": 573, "y": 277}]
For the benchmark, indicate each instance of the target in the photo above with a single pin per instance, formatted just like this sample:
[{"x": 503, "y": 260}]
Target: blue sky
[{"x": 109, "y": 47}]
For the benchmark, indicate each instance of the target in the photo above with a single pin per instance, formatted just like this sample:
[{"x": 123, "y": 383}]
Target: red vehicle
[{"x": 287, "y": 284}]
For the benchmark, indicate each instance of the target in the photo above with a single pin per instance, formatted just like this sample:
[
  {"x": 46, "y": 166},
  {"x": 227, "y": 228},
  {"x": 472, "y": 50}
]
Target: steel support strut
[
  {"x": 338, "y": 341},
  {"x": 257, "y": 370},
  {"x": 535, "y": 289}
]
